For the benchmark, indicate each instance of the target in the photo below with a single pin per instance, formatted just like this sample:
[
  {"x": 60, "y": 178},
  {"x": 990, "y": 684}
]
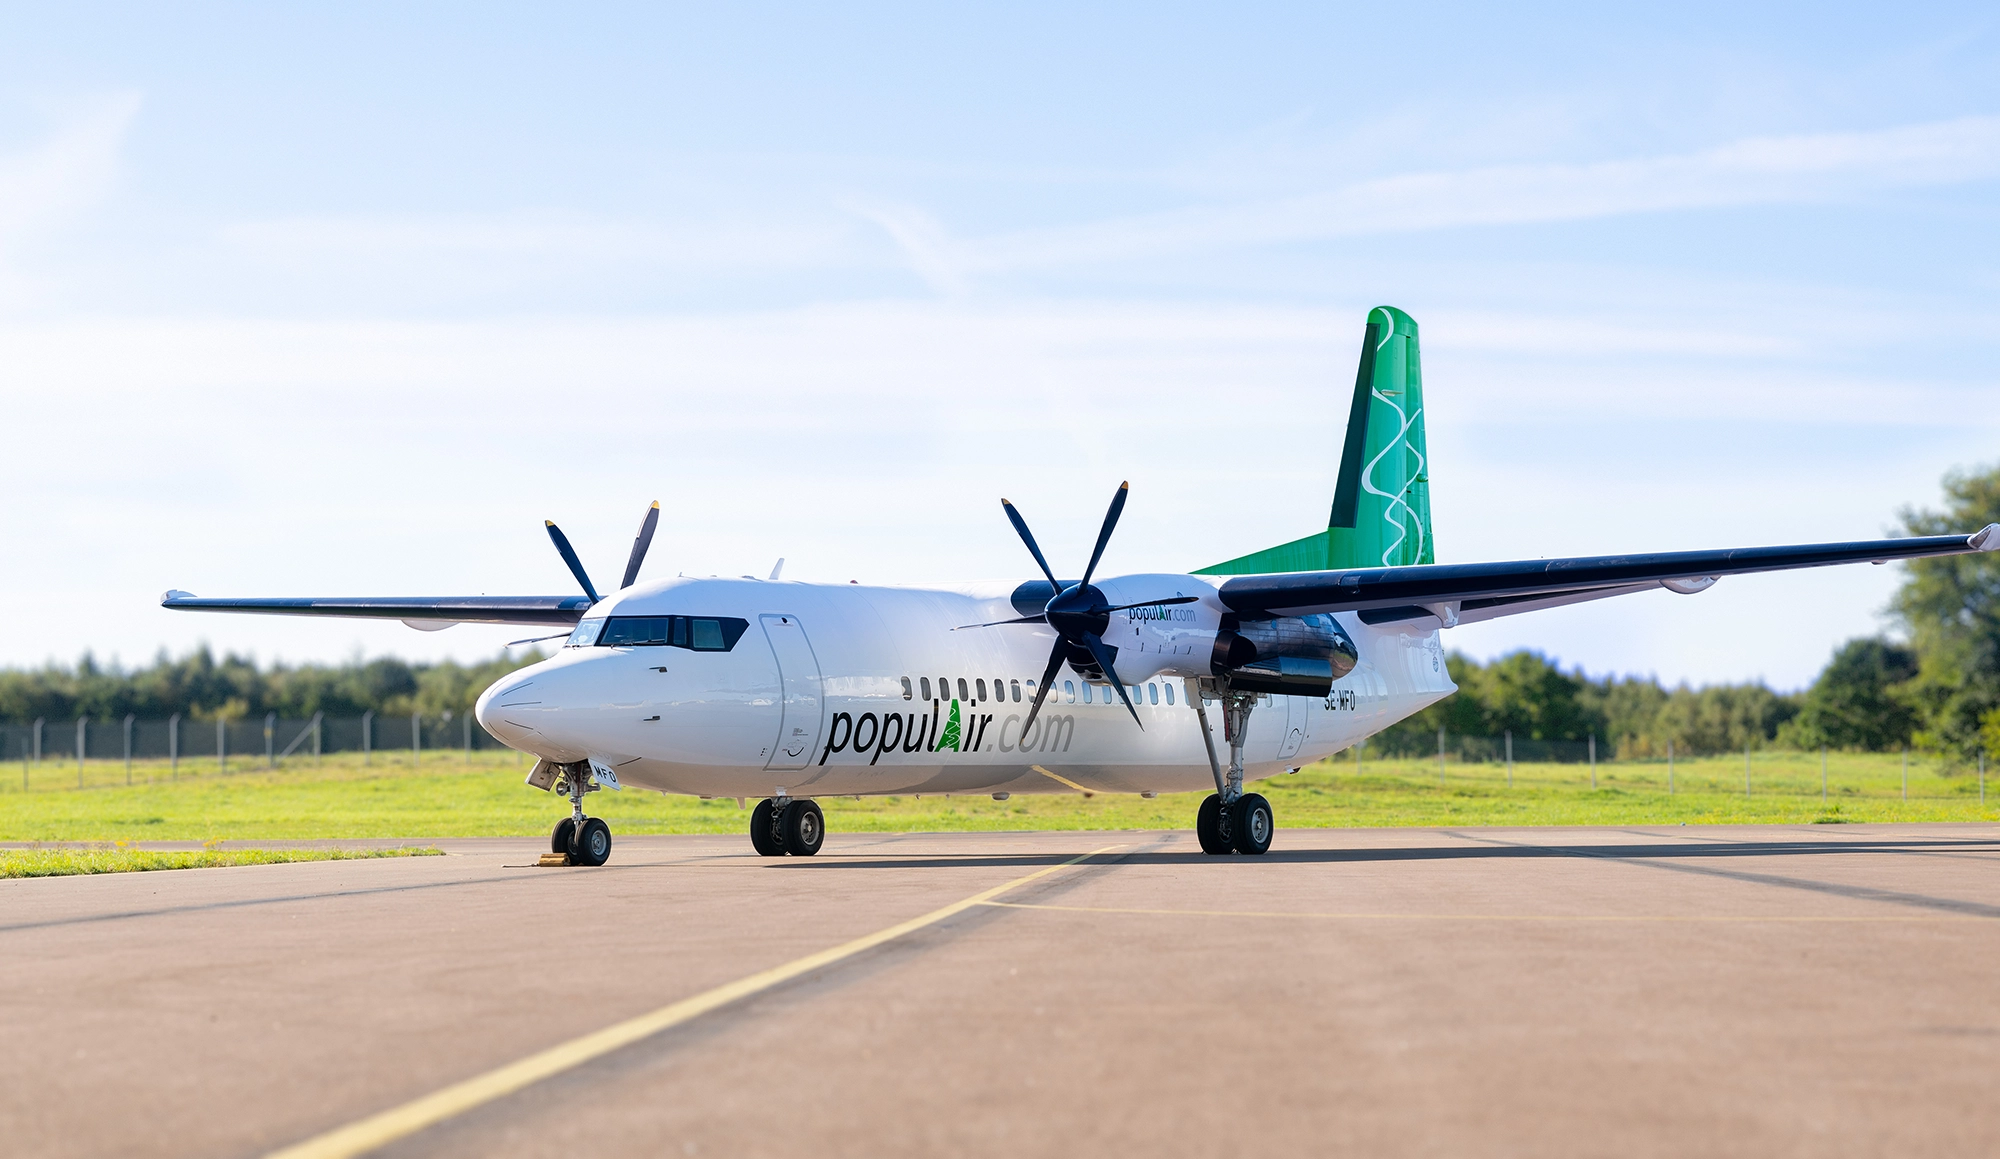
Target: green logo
[{"x": 948, "y": 739}]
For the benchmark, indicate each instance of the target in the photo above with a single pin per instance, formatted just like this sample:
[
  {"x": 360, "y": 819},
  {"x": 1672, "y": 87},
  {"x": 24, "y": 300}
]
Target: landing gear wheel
[
  {"x": 804, "y": 827},
  {"x": 1208, "y": 827},
  {"x": 559, "y": 840},
  {"x": 764, "y": 836},
  {"x": 591, "y": 843},
  {"x": 1250, "y": 824}
]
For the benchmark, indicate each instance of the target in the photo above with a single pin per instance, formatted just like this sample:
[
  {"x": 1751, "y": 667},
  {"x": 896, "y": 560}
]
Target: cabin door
[{"x": 802, "y": 706}]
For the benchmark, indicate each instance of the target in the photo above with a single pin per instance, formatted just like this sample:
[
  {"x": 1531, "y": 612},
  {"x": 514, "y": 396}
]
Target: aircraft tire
[
  {"x": 1208, "y": 827},
  {"x": 591, "y": 844},
  {"x": 804, "y": 827},
  {"x": 559, "y": 840},
  {"x": 764, "y": 837},
  {"x": 1251, "y": 826}
]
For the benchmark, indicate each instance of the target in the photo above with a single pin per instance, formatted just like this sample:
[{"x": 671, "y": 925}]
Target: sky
[{"x": 346, "y": 299}]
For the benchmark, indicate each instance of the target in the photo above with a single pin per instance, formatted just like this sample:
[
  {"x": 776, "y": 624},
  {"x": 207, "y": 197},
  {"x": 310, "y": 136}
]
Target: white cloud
[
  {"x": 1757, "y": 171},
  {"x": 65, "y": 173}
]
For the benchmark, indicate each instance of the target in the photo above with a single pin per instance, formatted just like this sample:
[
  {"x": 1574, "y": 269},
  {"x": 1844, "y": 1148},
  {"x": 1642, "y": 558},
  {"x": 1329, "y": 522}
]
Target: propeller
[
  {"x": 640, "y": 544},
  {"x": 569, "y": 557},
  {"x": 1077, "y": 613}
]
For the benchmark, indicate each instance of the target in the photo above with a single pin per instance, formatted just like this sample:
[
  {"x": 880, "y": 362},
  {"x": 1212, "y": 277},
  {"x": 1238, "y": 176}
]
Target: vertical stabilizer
[{"x": 1381, "y": 500}]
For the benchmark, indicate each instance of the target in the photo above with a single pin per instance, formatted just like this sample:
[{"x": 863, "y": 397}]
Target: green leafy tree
[
  {"x": 1950, "y": 607},
  {"x": 1858, "y": 702}
]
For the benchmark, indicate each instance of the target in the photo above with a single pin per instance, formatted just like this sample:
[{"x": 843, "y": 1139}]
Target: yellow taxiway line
[{"x": 381, "y": 1129}]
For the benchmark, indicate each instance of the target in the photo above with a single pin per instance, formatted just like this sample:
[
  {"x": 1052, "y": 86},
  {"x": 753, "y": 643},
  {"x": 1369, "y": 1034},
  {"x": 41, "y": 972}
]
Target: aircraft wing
[
  {"x": 427, "y": 612},
  {"x": 1457, "y": 593}
]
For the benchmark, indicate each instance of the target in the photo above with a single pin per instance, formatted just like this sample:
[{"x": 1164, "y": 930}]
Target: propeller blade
[
  {"x": 1095, "y": 643},
  {"x": 1103, "y": 537},
  {"x": 1150, "y": 604},
  {"x": 1028, "y": 537},
  {"x": 1037, "y": 618},
  {"x": 640, "y": 543},
  {"x": 569, "y": 557},
  {"x": 1048, "y": 678}
]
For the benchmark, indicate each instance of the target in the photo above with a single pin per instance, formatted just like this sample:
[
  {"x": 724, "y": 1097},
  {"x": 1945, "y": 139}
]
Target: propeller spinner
[{"x": 1077, "y": 612}]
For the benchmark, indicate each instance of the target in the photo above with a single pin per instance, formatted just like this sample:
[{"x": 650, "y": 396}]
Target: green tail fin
[{"x": 1382, "y": 501}]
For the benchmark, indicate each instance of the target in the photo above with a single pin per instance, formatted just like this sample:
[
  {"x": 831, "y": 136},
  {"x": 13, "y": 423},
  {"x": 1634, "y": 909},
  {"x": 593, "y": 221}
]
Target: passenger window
[
  {"x": 1069, "y": 692},
  {"x": 1016, "y": 686},
  {"x": 962, "y": 693},
  {"x": 908, "y": 694},
  {"x": 1170, "y": 692},
  {"x": 924, "y": 685},
  {"x": 1086, "y": 693},
  {"x": 1153, "y": 693}
]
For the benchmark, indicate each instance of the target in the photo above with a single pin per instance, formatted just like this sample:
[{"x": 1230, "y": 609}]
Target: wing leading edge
[
  {"x": 1464, "y": 592},
  {"x": 416, "y": 611}
]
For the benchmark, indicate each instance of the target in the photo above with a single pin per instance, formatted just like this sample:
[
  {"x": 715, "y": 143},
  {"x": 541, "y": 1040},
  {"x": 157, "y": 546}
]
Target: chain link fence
[
  {"x": 1524, "y": 763},
  {"x": 46, "y": 749}
]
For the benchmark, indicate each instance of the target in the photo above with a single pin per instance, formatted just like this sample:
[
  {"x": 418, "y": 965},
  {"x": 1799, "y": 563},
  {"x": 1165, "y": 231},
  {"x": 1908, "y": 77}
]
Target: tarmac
[{"x": 1809, "y": 990}]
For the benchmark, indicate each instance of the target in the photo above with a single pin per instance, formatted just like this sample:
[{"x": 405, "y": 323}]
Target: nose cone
[{"x": 505, "y": 709}]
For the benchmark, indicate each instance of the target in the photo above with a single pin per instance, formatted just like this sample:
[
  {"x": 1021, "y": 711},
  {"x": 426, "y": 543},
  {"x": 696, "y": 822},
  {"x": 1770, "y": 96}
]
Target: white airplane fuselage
[{"x": 839, "y": 689}]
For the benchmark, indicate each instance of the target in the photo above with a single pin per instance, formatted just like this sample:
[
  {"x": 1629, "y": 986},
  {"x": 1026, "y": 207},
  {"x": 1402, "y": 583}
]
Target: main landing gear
[
  {"x": 1229, "y": 820},
  {"x": 781, "y": 825},
  {"x": 584, "y": 840}
]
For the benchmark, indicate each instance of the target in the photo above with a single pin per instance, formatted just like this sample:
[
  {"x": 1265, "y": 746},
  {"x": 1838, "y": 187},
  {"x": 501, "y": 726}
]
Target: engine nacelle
[{"x": 1287, "y": 656}]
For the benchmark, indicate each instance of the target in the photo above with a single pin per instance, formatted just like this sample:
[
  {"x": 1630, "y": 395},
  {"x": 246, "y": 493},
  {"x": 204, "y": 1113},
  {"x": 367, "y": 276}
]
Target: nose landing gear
[
  {"x": 782, "y": 825},
  {"x": 583, "y": 840},
  {"x": 1229, "y": 820}
]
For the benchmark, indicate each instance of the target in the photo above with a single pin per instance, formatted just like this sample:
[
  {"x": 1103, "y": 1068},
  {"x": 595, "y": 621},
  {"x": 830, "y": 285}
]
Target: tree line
[
  {"x": 1936, "y": 687},
  {"x": 201, "y": 687}
]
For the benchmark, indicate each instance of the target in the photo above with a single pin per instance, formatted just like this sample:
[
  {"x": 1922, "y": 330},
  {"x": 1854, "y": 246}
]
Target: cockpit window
[
  {"x": 585, "y": 634},
  {"x": 695, "y": 633}
]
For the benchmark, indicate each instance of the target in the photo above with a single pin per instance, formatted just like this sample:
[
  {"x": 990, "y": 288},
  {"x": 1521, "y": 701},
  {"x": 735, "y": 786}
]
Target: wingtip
[
  {"x": 656, "y": 504},
  {"x": 1986, "y": 538},
  {"x": 548, "y": 523}
]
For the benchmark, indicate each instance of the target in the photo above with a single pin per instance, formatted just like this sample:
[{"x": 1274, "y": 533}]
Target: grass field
[
  {"x": 450, "y": 795},
  {"x": 68, "y": 862}
]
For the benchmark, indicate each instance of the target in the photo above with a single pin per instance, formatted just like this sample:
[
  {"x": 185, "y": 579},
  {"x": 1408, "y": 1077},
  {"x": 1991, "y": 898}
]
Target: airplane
[{"x": 787, "y": 691}]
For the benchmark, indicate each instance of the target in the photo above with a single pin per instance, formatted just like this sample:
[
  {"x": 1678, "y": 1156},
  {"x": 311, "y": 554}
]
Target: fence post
[
  {"x": 1593, "y": 760},
  {"x": 1746, "y": 770},
  {"x": 128, "y": 748},
  {"x": 1670, "y": 767},
  {"x": 221, "y": 745},
  {"x": 468, "y": 738},
  {"x": 270, "y": 743},
  {"x": 1509, "y": 734},
  {"x": 416, "y": 739},
  {"x": 367, "y": 735},
  {"x": 174, "y": 747},
  {"x": 1440, "y": 758},
  {"x": 38, "y": 740},
  {"x": 82, "y": 724},
  {"x": 1359, "y": 751},
  {"x": 317, "y": 717},
  {"x": 1982, "y": 776},
  {"x": 1906, "y": 772},
  {"x": 1822, "y": 774}
]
